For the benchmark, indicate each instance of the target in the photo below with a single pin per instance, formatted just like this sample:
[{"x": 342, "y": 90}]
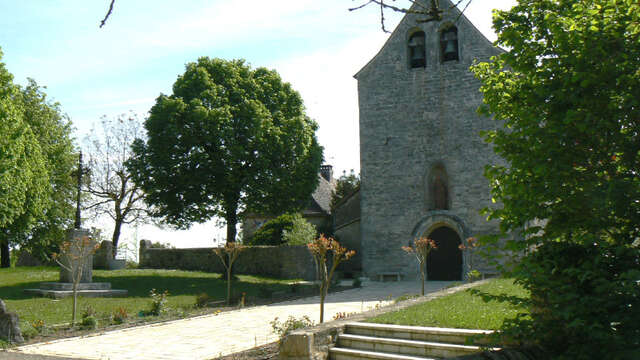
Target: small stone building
[
  {"x": 421, "y": 155},
  {"x": 317, "y": 212}
]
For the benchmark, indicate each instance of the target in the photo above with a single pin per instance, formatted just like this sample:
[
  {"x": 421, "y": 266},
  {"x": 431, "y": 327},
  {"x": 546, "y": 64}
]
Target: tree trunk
[
  {"x": 75, "y": 302},
  {"x": 422, "y": 274},
  {"x": 229, "y": 284},
  {"x": 322, "y": 296},
  {"x": 5, "y": 254},
  {"x": 232, "y": 220},
  {"x": 116, "y": 236}
]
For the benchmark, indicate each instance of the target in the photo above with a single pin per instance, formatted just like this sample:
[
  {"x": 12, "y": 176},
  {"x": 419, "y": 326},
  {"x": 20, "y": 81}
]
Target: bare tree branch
[
  {"x": 104, "y": 21},
  {"x": 113, "y": 193},
  {"x": 433, "y": 11}
]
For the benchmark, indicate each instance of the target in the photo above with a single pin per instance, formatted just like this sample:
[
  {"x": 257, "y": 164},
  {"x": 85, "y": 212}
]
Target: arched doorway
[{"x": 445, "y": 263}]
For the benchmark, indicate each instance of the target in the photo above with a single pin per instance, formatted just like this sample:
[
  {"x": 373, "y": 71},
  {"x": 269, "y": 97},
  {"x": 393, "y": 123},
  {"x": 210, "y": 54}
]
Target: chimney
[{"x": 327, "y": 172}]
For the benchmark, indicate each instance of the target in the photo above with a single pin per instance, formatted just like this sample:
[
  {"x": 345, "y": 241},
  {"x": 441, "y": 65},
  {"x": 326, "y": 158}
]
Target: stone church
[{"x": 421, "y": 155}]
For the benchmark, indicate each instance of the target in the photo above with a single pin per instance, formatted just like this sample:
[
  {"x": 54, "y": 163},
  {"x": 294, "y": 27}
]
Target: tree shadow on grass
[{"x": 177, "y": 285}]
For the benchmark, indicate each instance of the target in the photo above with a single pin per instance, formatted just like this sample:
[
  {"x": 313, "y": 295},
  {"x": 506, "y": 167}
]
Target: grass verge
[
  {"x": 462, "y": 310},
  {"x": 183, "y": 287}
]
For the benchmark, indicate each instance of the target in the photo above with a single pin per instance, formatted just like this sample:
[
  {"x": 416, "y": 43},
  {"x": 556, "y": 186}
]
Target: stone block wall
[
  {"x": 347, "y": 231},
  {"x": 412, "y": 120},
  {"x": 276, "y": 261}
]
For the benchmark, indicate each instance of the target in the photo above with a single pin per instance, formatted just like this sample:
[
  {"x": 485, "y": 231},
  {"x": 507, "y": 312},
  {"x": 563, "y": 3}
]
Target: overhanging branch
[{"x": 104, "y": 21}]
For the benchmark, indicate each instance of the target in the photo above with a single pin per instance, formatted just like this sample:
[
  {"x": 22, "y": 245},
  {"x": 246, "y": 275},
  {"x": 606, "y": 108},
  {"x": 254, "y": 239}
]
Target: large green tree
[
  {"x": 230, "y": 139},
  {"x": 24, "y": 179},
  {"x": 52, "y": 129},
  {"x": 568, "y": 93}
]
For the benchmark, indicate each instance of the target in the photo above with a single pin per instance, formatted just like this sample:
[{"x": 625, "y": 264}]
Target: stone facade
[
  {"x": 421, "y": 155},
  {"x": 346, "y": 224}
]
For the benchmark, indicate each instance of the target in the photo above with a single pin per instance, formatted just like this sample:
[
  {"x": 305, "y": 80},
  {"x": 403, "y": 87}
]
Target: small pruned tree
[
  {"x": 320, "y": 248},
  {"x": 468, "y": 248},
  {"x": 421, "y": 248},
  {"x": 228, "y": 255},
  {"x": 73, "y": 258}
]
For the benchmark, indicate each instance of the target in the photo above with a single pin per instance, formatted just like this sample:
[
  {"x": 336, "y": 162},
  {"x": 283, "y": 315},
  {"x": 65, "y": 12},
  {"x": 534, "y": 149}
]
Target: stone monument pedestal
[{"x": 86, "y": 287}]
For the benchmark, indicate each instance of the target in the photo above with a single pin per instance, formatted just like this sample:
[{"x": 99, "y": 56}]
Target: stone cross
[{"x": 80, "y": 172}]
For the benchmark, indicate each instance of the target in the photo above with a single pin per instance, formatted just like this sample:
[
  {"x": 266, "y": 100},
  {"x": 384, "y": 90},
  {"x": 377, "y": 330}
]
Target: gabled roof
[
  {"x": 449, "y": 11},
  {"x": 321, "y": 198}
]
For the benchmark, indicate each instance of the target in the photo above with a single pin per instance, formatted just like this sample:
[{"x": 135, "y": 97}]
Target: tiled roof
[{"x": 321, "y": 198}]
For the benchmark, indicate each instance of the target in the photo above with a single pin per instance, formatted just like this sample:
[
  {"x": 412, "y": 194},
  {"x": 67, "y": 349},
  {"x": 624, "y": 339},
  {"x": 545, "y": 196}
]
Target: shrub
[
  {"x": 89, "y": 322},
  {"x": 158, "y": 302},
  {"x": 39, "y": 325},
  {"x": 585, "y": 300},
  {"x": 302, "y": 232},
  {"x": 270, "y": 233},
  {"x": 88, "y": 311},
  {"x": 343, "y": 315},
  {"x": 202, "y": 300},
  {"x": 284, "y": 328},
  {"x": 356, "y": 282},
  {"x": 160, "y": 245},
  {"x": 120, "y": 315}
]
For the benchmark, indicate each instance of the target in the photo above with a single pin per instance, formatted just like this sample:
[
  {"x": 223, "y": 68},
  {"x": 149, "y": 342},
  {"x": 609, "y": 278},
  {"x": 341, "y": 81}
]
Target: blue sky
[{"x": 316, "y": 45}]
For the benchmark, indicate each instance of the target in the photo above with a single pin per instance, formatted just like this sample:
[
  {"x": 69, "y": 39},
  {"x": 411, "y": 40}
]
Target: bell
[
  {"x": 417, "y": 55},
  {"x": 450, "y": 49}
]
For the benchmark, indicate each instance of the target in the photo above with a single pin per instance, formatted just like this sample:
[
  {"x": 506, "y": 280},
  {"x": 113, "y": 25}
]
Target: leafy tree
[
  {"x": 271, "y": 232},
  {"x": 113, "y": 192},
  {"x": 53, "y": 132},
  {"x": 230, "y": 139},
  {"x": 568, "y": 95},
  {"x": 302, "y": 232},
  {"x": 27, "y": 155},
  {"x": 345, "y": 186}
]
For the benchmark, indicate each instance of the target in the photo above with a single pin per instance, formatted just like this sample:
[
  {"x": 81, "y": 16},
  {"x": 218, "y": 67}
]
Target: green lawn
[
  {"x": 462, "y": 309},
  {"x": 183, "y": 287}
]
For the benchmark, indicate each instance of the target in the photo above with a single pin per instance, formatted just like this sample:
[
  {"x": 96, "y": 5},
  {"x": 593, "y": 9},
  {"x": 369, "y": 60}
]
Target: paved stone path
[{"x": 211, "y": 336}]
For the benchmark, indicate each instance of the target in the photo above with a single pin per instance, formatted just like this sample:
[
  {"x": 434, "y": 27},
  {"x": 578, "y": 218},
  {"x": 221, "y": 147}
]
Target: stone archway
[
  {"x": 447, "y": 229},
  {"x": 445, "y": 263}
]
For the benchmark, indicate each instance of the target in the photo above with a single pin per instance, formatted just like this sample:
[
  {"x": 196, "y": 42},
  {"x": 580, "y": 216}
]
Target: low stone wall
[{"x": 276, "y": 261}]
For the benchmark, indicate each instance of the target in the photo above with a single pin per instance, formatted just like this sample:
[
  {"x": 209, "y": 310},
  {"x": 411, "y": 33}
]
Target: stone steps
[
  {"x": 381, "y": 341},
  {"x": 58, "y": 290},
  {"x": 435, "y": 334},
  {"x": 351, "y": 354},
  {"x": 58, "y": 294},
  {"x": 60, "y": 286}
]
